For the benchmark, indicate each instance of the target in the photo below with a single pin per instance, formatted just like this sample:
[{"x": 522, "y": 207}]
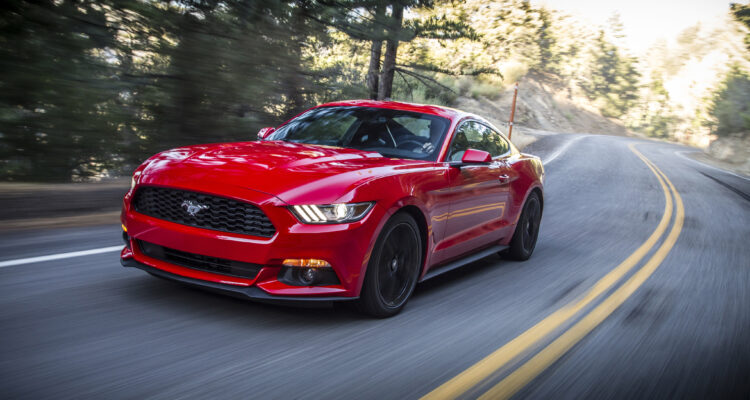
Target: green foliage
[
  {"x": 613, "y": 79},
  {"x": 92, "y": 86},
  {"x": 440, "y": 27},
  {"x": 415, "y": 91},
  {"x": 741, "y": 13},
  {"x": 550, "y": 55},
  {"x": 392, "y": 28},
  {"x": 730, "y": 107},
  {"x": 657, "y": 119},
  {"x": 58, "y": 104}
]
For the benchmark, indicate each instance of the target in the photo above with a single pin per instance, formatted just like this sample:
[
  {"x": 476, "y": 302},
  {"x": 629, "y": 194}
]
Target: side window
[
  {"x": 473, "y": 135},
  {"x": 461, "y": 141}
]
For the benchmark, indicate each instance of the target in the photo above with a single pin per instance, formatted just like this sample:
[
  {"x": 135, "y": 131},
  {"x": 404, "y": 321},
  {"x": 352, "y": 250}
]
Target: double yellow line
[{"x": 507, "y": 387}]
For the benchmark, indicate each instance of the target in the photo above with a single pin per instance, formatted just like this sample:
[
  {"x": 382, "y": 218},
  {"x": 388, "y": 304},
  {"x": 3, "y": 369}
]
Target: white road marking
[
  {"x": 59, "y": 256},
  {"x": 562, "y": 149},
  {"x": 682, "y": 154}
]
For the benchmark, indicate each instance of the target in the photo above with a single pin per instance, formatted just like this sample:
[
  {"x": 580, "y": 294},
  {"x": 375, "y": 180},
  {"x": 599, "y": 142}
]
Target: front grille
[
  {"x": 200, "y": 262},
  {"x": 216, "y": 213}
]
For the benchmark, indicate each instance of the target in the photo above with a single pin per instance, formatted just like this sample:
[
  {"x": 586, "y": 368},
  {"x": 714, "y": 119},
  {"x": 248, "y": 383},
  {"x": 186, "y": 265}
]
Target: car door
[{"x": 478, "y": 193}]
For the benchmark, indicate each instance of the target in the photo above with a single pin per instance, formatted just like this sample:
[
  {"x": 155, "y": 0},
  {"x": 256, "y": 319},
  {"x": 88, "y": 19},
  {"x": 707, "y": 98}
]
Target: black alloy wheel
[
  {"x": 393, "y": 268},
  {"x": 527, "y": 231}
]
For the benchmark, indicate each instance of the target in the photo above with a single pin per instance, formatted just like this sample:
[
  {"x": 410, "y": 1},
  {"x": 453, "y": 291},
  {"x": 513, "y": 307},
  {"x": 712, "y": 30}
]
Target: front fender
[
  {"x": 530, "y": 176},
  {"x": 422, "y": 193}
]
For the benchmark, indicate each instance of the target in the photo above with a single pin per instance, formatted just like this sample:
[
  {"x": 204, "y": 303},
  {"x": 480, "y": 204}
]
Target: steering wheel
[{"x": 415, "y": 144}]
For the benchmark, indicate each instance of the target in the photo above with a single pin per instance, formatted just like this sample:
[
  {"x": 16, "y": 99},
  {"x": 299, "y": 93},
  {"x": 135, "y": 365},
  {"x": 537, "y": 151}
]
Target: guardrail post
[{"x": 512, "y": 112}]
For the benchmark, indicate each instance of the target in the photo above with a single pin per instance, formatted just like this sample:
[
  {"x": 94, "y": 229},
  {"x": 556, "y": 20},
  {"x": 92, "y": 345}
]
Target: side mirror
[
  {"x": 472, "y": 156},
  {"x": 265, "y": 132}
]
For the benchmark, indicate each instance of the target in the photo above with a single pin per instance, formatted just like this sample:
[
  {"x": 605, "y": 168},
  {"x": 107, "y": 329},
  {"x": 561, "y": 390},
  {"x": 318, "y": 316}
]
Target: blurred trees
[
  {"x": 384, "y": 23},
  {"x": 613, "y": 79},
  {"x": 656, "y": 118},
  {"x": 550, "y": 55},
  {"x": 742, "y": 14},
  {"x": 88, "y": 86},
  {"x": 58, "y": 101},
  {"x": 729, "y": 109},
  {"x": 214, "y": 71},
  {"x": 730, "y": 106},
  {"x": 93, "y": 87}
]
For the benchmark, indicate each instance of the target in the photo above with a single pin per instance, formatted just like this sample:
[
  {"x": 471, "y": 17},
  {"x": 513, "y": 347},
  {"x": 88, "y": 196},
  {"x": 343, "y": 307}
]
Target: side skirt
[{"x": 435, "y": 271}]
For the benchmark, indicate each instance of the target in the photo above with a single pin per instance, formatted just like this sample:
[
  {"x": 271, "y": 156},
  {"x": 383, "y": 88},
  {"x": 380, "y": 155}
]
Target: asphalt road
[{"x": 85, "y": 327}]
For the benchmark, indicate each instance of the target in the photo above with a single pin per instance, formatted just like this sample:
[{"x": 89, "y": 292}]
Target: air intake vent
[{"x": 200, "y": 262}]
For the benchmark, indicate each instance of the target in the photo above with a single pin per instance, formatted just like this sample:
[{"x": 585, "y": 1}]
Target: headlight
[
  {"x": 331, "y": 213},
  {"x": 134, "y": 179}
]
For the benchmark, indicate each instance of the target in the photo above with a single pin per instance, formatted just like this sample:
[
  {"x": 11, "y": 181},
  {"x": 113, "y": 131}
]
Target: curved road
[{"x": 671, "y": 321}]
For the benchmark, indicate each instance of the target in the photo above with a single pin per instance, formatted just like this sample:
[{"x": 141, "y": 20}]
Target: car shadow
[
  {"x": 173, "y": 297},
  {"x": 469, "y": 271},
  {"x": 163, "y": 295}
]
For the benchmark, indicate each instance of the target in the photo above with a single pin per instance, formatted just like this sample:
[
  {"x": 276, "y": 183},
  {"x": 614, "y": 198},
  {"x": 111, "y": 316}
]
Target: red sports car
[{"x": 355, "y": 200}]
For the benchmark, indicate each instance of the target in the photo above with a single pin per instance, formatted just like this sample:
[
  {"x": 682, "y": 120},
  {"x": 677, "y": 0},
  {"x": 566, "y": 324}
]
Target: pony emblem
[{"x": 193, "y": 207}]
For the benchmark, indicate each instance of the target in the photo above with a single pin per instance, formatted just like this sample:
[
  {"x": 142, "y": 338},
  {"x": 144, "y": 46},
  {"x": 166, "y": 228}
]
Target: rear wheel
[
  {"x": 527, "y": 230},
  {"x": 393, "y": 268}
]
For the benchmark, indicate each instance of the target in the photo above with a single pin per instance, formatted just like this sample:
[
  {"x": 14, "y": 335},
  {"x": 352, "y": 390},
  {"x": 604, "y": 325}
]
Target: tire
[
  {"x": 393, "y": 268},
  {"x": 527, "y": 230}
]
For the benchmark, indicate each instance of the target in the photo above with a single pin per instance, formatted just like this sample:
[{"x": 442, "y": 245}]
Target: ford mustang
[{"x": 354, "y": 200}]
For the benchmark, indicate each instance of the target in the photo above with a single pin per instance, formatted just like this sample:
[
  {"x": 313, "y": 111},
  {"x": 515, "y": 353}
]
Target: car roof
[{"x": 440, "y": 111}]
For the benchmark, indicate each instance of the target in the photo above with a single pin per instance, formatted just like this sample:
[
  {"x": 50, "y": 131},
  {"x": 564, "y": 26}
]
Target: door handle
[{"x": 503, "y": 178}]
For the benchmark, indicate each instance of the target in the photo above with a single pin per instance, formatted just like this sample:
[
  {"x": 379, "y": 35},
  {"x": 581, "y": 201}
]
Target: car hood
[{"x": 293, "y": 172}]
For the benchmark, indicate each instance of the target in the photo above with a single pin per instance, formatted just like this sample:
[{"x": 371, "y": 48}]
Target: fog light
[
  {"x": 309, "y": 276},
  {"x": 307, "y": 272}
]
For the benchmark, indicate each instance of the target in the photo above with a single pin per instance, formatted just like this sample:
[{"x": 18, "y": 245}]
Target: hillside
[{"x": 542, "y": 105}]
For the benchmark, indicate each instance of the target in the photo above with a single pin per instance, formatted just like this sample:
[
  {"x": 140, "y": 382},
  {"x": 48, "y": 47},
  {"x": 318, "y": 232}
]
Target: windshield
[{"x": 392, "y": 133}]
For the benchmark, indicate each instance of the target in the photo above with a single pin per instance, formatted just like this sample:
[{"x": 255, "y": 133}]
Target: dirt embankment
[
  {"x": 542, "y": 107},
  {"x": 732, "y": 153},
  {"x": 546, "y": 107}
]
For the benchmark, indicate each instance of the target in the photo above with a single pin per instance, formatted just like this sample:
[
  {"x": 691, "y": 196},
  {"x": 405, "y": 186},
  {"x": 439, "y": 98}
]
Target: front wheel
[
  {"x": 527, "y": 230},
  {"x": 393, "y": 268}
]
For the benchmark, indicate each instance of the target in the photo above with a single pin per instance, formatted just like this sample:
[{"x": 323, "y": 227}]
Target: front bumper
[
  {"x": 345, "y": 246},
  {"x": 251, "y": 292}
]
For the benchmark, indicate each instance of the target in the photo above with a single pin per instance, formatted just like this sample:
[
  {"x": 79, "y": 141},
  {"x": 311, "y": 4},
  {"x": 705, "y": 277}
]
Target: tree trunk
[
  {"x": 373, "y": 72},
  {"x": 385, "y": 87}
]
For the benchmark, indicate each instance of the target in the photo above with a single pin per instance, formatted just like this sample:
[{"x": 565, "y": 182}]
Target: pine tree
[
  {"x": 57, "y": 98},
  {"x": 385, "y": 24},
  {"x": 613, "y": 79},
  {"x": 741, "y": 13},
  {"x": 730, "y": 106}
]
